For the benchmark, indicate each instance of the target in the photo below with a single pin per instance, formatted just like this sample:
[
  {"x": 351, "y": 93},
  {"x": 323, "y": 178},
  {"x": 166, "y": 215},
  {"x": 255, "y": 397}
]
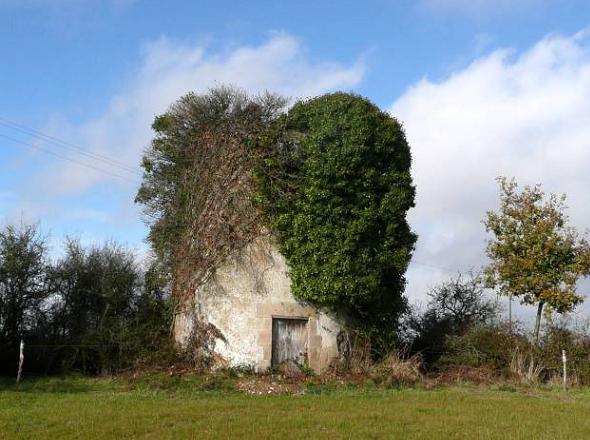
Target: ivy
[
  {"x": 198, "y": 180},
  {"x": 335, "y": 184}
]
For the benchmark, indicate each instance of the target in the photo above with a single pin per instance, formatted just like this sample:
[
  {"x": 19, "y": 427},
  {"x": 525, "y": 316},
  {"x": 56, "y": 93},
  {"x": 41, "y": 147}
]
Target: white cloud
[
  {"x": 168, "y": 70},
  {"x": 63, "y": 194},
  {"x": 523, "y": 115}
]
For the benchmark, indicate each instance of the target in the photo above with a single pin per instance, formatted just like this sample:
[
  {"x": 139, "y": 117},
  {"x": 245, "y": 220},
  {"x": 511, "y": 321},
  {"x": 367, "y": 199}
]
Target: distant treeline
[{"x": 94, "y": 310}]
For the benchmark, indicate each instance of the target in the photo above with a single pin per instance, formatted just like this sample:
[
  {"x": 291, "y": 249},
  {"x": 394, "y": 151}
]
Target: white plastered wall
[{"x": 240, "y": 300}]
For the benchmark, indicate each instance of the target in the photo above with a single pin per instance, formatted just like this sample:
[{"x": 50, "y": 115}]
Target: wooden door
[{"x": 289, "y": 343}]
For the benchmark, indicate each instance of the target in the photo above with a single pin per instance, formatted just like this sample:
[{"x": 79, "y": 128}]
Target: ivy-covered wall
[
  {"x": 335, "y": 185},
  {"x": 330, "y": 178}
]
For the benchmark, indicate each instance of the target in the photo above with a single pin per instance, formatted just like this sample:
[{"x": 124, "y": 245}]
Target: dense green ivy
[
  {"x": 335, "y": 183},
  {"x": 331, "y": 177}
]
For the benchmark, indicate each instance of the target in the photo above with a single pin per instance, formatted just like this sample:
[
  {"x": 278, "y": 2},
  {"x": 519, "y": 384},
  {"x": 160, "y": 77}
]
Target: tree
[
  {"x": 24, "y": 289},
  {"x": 23, "y": 281},
  {"x": 455, "y": 306},
  {"x": 94, "y": 310},
  {"x": 462, "y": 301},
  {"x": 535, "y": 255},
  {"x": 337, "y": 187}
]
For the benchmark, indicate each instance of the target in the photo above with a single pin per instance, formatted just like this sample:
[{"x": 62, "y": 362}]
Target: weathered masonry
[{"x": 256, "y": 321}]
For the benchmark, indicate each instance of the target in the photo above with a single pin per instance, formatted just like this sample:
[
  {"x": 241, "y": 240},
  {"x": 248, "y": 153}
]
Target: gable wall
[{"x": 241, "y": 299}]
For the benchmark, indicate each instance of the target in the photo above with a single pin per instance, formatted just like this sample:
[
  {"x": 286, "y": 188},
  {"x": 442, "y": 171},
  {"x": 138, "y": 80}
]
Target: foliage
[
  {"x": 335, "y": 184},
  {"x": 96, "y": 288},
  {"x": 575, "y": 340},
  {"x": 491, "y": 346},
  {"x": 535, "y": 255},
  {"x": 152, "y": 314},
  {"x": 395, "y": 371},
  {"x": 24, "y": 288},
  {"x": 510, "y": 353},
  {"x": 94, "y": 310},
  {"x": 105, "y": 309},
  {"x": 526, "y": 367},
  {"x": 332, "y": 176},
  {"x": 455, "y": 306},
  {"x": 197, "y": 181}
]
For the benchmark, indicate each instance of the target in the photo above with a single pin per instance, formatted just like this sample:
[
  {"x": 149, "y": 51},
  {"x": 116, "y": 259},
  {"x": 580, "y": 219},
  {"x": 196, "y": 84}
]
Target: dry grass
[
  {"x": 396, "y": 370},
  {"x": 525, "y": 369},
  {"x": 460, "y": 374}
]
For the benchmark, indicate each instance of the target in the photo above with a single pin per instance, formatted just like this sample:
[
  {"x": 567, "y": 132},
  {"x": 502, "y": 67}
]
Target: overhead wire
[
  {"x": 68, "y": 146},
  {"x": 106, "y": 160},
  {"x": 67, "y": 158}
]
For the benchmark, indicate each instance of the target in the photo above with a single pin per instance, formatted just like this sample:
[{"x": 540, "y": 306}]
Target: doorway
[{"x": 289, "y": 343}]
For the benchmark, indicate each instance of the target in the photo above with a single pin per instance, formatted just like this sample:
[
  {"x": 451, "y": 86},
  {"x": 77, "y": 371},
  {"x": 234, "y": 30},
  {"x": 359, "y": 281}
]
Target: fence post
[
  {"x": 21, "y": 359},
  {"x": 564, "y": 361}
]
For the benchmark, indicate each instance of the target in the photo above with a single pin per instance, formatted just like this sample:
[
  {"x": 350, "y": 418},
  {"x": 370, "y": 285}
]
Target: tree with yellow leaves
[{"x": 535, "y": 254}]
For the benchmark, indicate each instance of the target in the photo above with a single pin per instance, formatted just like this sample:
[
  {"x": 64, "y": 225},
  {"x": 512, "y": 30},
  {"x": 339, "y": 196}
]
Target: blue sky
[
  {"x": 77, "y": 53},
  {"x": 483, "y": 88}
]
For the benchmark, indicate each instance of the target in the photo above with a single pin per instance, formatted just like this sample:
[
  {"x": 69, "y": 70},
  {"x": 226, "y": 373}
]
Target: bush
[
  {"x": 491, "y": 346},
  {"x": 527, "y": 367},
  {"x": 576, "y": 343},
  {"x": 455, "y": 307},
  {"x": 513, "y": 354}
]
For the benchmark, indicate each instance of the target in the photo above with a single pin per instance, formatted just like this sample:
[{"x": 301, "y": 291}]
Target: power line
[
  {"x": 68, "y": 145},
  {"x": 60, "y": 156},
  {"x": 36, "y": 147}
]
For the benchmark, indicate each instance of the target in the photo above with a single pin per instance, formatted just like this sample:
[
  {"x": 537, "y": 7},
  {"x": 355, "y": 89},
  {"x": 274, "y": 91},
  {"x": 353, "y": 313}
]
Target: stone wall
[{"x": 241, "y": 298}]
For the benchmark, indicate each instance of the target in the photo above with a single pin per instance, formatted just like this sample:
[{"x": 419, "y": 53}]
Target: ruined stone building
[
  {"x": 231, "y": 283},
  {"x": 218, "y": 176},
  {"x": 255, "y": 319}
]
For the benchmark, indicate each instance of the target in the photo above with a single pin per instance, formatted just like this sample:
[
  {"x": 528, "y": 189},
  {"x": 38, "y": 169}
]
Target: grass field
[{"x": 78, "y": 408}]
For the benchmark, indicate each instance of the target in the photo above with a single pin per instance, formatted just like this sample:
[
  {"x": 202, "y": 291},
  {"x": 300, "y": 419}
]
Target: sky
[{"x": 483, "y": 88}]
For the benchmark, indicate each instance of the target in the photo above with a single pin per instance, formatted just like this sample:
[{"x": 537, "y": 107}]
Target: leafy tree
[
  {"x": 94, "y": 310},
  {"x": 336, "y": 185},
  {"x": 535, "y": 255},
  {"x": 23, "y": 282},
  {"x": 96, "y": 288}
]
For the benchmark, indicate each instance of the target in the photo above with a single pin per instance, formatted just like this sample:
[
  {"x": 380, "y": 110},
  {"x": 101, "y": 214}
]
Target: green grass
[{"x": 162, "y": 408}]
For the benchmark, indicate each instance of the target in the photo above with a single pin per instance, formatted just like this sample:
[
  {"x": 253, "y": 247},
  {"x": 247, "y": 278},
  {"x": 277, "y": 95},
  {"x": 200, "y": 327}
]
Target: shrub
[
  {"x": 490, "y": 346},
  {"x": 455, "y": 306},
  {"x": 527, "y": 368},
  {"x": 576, "y": 343}
]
